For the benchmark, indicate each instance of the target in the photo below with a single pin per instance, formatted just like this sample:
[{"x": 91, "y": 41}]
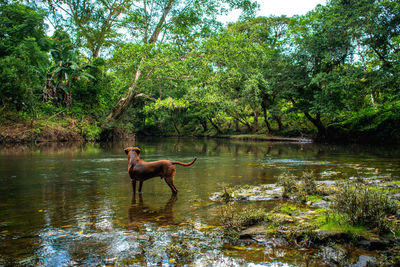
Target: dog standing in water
[{"x": 140, "y": 170}]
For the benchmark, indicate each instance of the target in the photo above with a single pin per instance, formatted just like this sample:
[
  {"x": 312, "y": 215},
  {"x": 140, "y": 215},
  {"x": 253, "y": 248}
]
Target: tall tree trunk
[
  {"x": 237, "y": 129},
  {"x": 317, "y": 121},
  {"x": 373, "y": 99},
  {"x": 176, "y": 129},
  {"x": 264, "y": 108}
]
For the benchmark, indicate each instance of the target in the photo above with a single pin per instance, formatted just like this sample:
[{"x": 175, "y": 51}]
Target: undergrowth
[
  {"x": 358, "y": 204},
  {"x": 233, "y": 220},
  {"x": 299, "y": 188}
]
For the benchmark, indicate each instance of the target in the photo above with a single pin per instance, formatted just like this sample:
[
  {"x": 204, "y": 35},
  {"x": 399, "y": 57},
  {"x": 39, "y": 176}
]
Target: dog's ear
[
  {"x": 137, "y": 150},
  {"x": 127, "y": 150}
]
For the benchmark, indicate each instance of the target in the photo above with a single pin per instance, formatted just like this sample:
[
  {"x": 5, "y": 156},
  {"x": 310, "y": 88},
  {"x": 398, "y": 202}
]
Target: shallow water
[{"x": 72, "y": 204}]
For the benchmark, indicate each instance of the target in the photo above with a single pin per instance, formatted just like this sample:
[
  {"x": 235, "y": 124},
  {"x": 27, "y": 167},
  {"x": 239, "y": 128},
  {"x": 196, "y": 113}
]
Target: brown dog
[{"x": 140, "y": 170}]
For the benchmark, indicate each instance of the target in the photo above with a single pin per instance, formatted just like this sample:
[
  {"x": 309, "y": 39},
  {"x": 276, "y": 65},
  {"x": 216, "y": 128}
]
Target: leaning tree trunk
[
  {"x": 256, "y": 126},
  {"x": 125, "y": 102},
  {"x": 318, "y": 124},
  {"x": 316, "y": 121},
  {"x": 279, "y": 121},
  {"x": 264, "y": 108},
  {"x": 204, "y": 124},
  {"x": 215, "y": 126}
]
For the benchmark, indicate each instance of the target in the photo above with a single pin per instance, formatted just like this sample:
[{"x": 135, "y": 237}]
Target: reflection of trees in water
[
  {"x": 67, "y": 201},
  {"x": 204, "y": 146},
  {"x": 45, "y": 147},
  {"x": 139, "y": 213}
]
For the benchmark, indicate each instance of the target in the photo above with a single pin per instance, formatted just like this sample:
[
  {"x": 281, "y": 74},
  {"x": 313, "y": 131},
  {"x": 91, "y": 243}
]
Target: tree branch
[{"x": 160, "y": 24}]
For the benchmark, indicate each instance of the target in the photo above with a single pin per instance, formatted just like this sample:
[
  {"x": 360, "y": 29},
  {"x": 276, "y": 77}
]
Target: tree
[
  {"x": 271, "y": 35},
  {"x": 321, "y": 46},
  {"x": 170, "y": 21},
  {"x": 245, "y": 58},
  {"x": 375, "y": 31},
  {"x": 95, "y": 23},
  {"x": 23, "y": 53},
  {"x": 67, "y": 67}
]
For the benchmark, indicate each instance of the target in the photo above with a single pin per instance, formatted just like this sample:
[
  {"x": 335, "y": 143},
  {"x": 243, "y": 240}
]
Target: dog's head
[{"x": 135, "y": 149}]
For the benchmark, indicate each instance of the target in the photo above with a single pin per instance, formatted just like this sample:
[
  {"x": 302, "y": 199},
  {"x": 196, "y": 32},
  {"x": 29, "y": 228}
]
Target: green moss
[
  {"x": 319, "y": 219},
  {"x": 271, "y": 230},
  {"x": 314, "y": 198},
  {"x": 352, "y": 230},
  {"x": 289, "y": 208}
]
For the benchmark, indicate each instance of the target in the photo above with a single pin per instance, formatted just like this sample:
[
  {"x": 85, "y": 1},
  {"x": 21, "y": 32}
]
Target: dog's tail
[{"x": 184, "y": 164}]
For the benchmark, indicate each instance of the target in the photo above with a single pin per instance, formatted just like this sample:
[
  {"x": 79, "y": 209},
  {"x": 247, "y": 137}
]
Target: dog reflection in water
[{"x": 139, "y": 213}]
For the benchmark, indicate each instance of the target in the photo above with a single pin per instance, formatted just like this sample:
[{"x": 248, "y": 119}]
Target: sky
[{"x": 279, "y": 7}]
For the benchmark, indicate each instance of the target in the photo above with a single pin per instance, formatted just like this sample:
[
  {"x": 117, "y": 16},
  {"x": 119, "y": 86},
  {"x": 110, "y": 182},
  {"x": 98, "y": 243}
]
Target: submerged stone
[
  {"x": 324, "y": 236},
  {"x": 323, "y": 204},
  {"x": 376, "y": 243},
  {"x": 249, "y": 193},
  {"x": 365, "y": 260},
  {"x": 334, "y": 255},
  {"x": 252, "y": 231}
]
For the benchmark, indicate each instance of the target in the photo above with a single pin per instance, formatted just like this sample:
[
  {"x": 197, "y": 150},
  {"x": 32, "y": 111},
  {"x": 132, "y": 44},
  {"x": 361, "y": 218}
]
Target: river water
[{"x": 72, "y": 204}]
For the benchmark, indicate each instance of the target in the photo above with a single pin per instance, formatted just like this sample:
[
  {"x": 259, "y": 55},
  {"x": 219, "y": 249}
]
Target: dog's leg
[
  {"x": 170, "y": 180},
  {"x": 140, "y": 186},
  {"x": 171, "y": 185},
  {"x": 133, "y": 181}
]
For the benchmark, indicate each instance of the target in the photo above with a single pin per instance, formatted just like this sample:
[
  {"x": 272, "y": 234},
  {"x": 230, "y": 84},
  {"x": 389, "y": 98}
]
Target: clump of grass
[
  {"x": 179, "y": 252},
  {"x": 298, "y": 187},
  {"x": 337, "y": 222},
  {"x": 226, "y": 196},
  {"x": 234, "y": 220},
  {"x": 360, "y": 205},
  {"x": 294, "y": 222}
]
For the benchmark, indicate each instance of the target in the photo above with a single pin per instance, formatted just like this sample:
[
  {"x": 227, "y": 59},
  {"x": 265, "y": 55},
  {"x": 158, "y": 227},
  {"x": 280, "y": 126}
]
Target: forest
[{"x": 97, "y": 70}]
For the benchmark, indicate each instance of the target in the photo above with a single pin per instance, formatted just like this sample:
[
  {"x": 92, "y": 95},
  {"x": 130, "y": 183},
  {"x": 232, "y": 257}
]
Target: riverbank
[
  {"x": 336, "y": 218},
  {"x": 16, "y": 129}
]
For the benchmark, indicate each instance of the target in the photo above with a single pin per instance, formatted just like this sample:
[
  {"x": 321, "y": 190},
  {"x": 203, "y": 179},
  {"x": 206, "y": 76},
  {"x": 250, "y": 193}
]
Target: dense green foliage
[{"x": 169, "y": 67}]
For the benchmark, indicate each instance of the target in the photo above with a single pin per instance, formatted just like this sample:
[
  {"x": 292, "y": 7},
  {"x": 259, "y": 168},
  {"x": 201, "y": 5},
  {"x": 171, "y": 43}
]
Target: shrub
[
  {"x": 361, "y": 205},
  {"x": 298, "y": 187},
  {"x": 234, "y": 220}
]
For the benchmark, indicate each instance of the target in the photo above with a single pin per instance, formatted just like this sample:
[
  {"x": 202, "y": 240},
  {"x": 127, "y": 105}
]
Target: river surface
[{"x": 72, "y": 204}]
